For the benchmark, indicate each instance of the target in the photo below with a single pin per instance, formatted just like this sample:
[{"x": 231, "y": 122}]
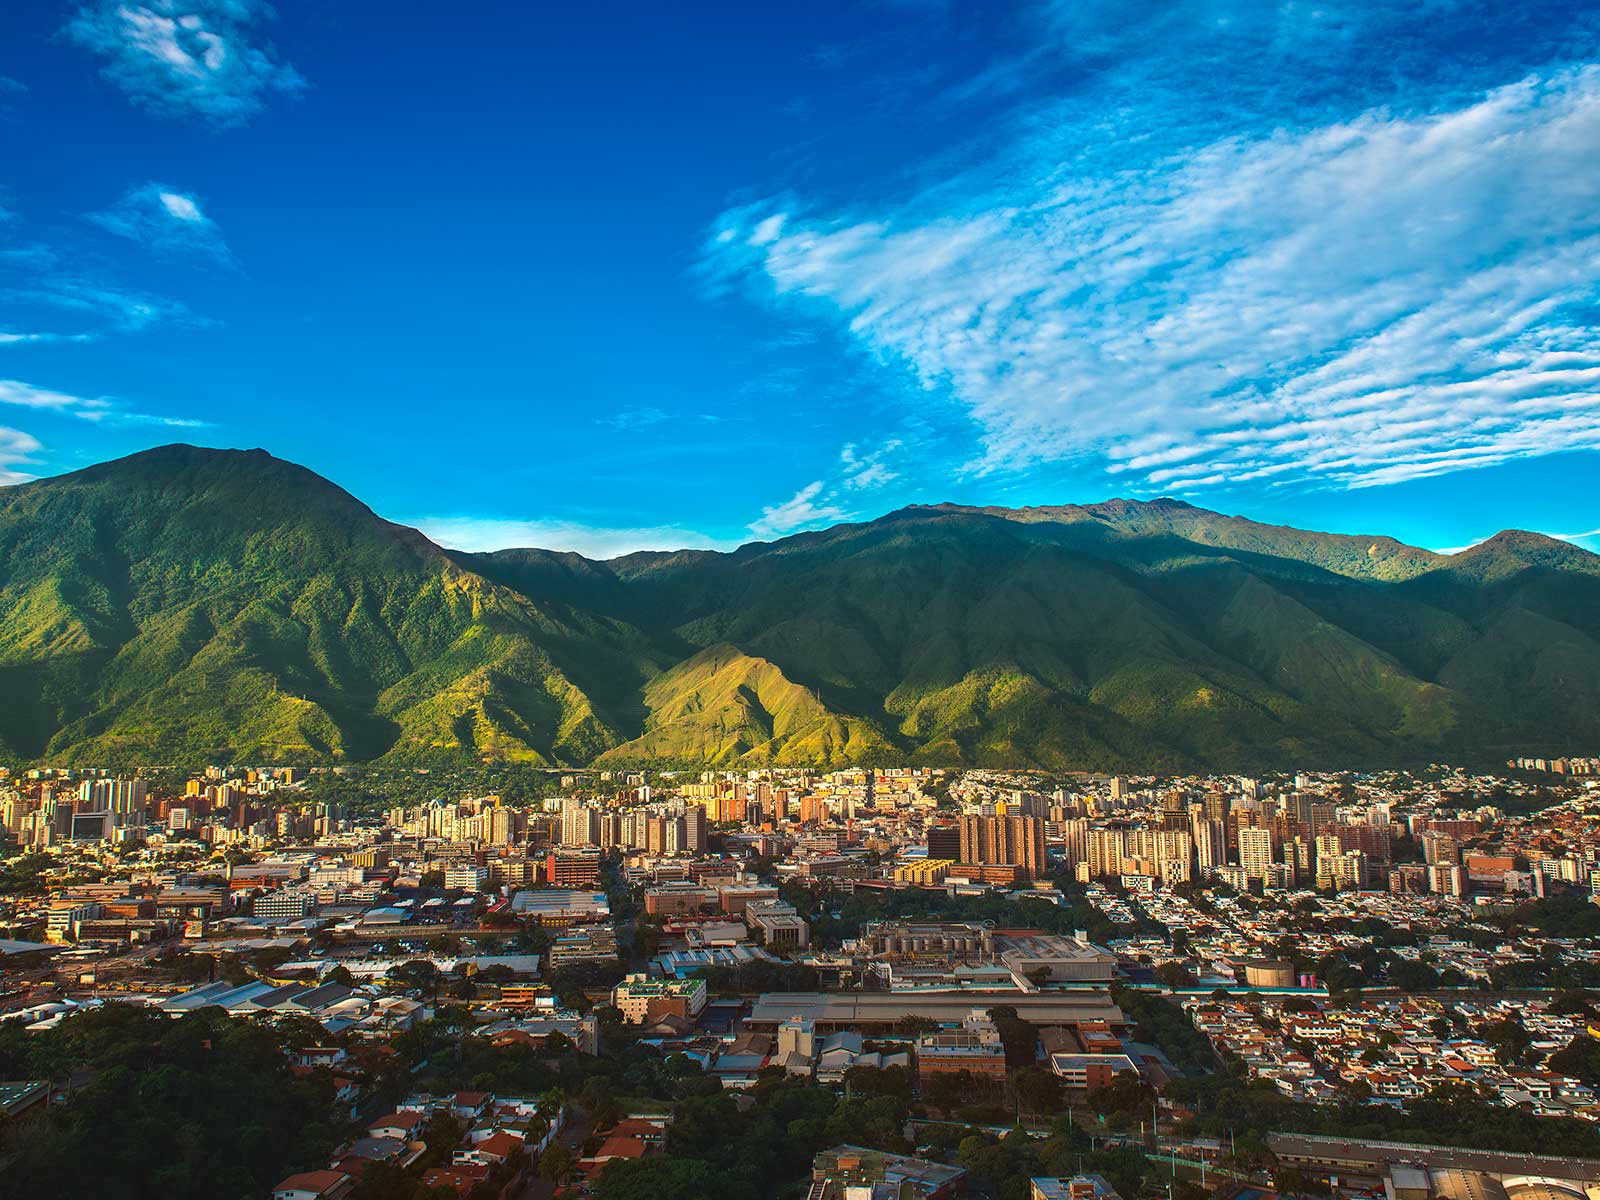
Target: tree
[
  {"x": 1040, "y": 1091},
  {"x": 1126, "y": 1093},
  {"x": 1411, "y": 976},
  {"x": 204, "y": 1105},
  {"x": 657, "y": 1179},
  {"x": 1572, "y": 1002},
  {"x": 1021, "y": 1038},
  {"x": 1579, "y": 1058},
  {"x": 556, "y": 1163},
  {"x": 949, "y": 1090},
  {"x": 25, "y": 874},
  {"x": 1509, "y": 1041},
  {"x": 1175, "y": 975},
  {"x": 419, "y": 975}
]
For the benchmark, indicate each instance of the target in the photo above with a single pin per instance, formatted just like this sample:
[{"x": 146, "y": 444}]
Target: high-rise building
[
  {"x": 1346, "y": 869},
  {"x": 1371, "y": 840},
  {"x": 1440, "y": 848},
  {"x": 1008, "y": 840},
  {"x": 1074, "y": 840},
  {"x": 1255, "y": 852},
  {"x": 577, "y": 823},
  {"x": 1210, "y": 843},
  {"x": 694, "y": 829},
  {"x": 1106, "y": 849},
  {"x": 944, "y": 841},
  {"x": 500, "y": 825}
]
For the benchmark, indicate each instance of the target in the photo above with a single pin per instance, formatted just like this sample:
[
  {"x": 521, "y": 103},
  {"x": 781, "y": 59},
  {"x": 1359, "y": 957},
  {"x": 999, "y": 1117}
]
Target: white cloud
[
  {"x": 26, "y": 395},
  {"x": 123, "y": 310},
  {"x": 16, "y": 451},
  {"x": 634, "y": 418},
  {"x": 1378, "y": 299},
  {"x": 99, "y": 409},
  {"x": 865, "y": 468},
  {"x": 826, "y": 501},
  {"x": 169, "y": 222},
  {"x": 1578, "y": 539},
  {"x": 10, "y": 337},
  {"x": 197, "y": 58},
  {"x": 806, "y": 508},
  {"x": 180, "y": 206},
  {"x": 476, "y": 534}
]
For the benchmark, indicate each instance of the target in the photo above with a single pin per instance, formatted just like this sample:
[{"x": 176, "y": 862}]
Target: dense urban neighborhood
[{"x": 409, "y": 983}]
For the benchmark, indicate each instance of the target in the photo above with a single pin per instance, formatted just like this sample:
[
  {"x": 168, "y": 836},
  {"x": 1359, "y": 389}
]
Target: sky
[{"x": 615, "y": 276}]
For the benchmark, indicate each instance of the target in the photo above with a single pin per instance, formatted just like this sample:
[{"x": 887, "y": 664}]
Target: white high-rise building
[{"x": 1255, "y": 852}]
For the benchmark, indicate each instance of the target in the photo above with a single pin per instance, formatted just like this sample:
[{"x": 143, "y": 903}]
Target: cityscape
[
  {"x": 884, "y": 600},
  {"x": 938, "y": 981}
]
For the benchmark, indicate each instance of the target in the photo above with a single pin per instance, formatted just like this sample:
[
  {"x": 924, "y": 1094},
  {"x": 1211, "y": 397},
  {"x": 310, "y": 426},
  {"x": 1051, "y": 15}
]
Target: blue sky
[{"x": 612, "y": 276}]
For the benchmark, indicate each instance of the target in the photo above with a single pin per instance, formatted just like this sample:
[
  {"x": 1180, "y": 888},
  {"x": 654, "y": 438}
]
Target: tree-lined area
[{"x": 188, "y": 1109}]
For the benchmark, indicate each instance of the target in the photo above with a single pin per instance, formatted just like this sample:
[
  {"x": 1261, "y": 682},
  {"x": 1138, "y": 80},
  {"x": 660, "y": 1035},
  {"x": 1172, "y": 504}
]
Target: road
[{"x": 572, "y": 1137}]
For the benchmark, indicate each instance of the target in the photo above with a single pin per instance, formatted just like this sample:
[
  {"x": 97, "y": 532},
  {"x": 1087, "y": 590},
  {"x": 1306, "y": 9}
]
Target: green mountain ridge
[{"x": 190, "y": 605}]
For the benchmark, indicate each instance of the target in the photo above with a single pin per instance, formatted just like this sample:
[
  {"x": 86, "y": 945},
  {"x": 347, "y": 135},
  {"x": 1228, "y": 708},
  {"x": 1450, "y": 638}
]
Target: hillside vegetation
[{"x": 188, "y": 605}]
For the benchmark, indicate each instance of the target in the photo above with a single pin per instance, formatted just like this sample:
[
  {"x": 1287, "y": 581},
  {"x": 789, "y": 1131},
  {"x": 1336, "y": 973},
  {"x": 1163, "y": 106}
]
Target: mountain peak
[
  {"x": 1523, "y": 539},
  {"x": 1512, "y": 550},
  {"x": 1524, "y": 543}
]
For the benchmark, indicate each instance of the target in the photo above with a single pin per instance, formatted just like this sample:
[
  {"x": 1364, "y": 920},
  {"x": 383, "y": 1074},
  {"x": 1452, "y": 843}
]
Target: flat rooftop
[
  {"x": 542, "y": 900},
  {"x": 1377, "y": 1156},
  {"x": 886, "y": 1008}
]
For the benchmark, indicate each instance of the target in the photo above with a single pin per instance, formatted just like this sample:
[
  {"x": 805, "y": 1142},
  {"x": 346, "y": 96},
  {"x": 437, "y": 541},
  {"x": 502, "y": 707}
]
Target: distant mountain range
[{"x": 187, "y": 605}]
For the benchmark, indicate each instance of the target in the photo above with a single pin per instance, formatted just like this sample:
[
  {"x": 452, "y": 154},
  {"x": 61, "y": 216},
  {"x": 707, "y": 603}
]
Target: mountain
[
  {"x": 195, "y": 605},
  {"x": 188, "y": 604}
]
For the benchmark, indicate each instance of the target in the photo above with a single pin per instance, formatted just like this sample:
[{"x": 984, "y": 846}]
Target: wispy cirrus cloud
[
  {"x": 168, "y": 221},
  {"x": 480, "y": 534},
  {"x": 628, "y": 419},
  {"x": 1353, "y": 301},
  {"x": 10, "y": 337},
  {"x": 189, "y": 58},
  {"x": 868, "y": 467},
  {"x": 807, "y": 508},
  {"x": 119, "y": 309},
  {"x": 1589, "y": 539},
  {"x": 860, "y": 469},
  {"x": 61, "y": 290},
  {"x": 99, "y": 409},
  {"x": 40, "y": 281}
]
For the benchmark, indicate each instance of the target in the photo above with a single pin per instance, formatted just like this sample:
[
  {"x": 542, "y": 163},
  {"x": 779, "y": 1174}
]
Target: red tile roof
[
  {"x": 315, "y": 1182},
  {"x": 621, "y": 1147}
]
